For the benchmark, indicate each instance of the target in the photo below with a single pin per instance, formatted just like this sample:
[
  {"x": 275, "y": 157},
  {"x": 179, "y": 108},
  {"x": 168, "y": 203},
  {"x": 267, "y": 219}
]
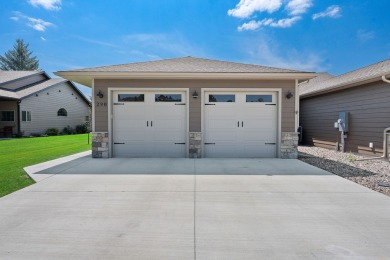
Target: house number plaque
[{"x": 101, "y": 104}]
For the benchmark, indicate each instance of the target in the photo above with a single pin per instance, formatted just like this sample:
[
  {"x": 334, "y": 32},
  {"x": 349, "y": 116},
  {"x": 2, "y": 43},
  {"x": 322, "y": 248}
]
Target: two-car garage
[
  {"x": 192, "y": 107},
  {"x": 154, "y": 123}
]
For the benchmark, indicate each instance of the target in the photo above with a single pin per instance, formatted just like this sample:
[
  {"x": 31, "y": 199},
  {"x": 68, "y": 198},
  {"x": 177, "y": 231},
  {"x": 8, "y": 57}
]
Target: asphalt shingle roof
[
  {"x": 6, "y": 76},
  {"x": 24, "y": 91},
  {"x": 325, "y": 82},
  {"x": 188, "y": 65}
]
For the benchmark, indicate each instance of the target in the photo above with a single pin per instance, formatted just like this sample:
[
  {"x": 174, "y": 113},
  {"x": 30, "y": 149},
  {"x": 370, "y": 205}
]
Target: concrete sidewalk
[{"x": 193, "y": 209}]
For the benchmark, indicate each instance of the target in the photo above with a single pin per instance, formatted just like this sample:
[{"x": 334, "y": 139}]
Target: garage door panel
[
  {"x": 220, "y": 124},
  {"x": 151, "y": 127},
  {"x": 242, "y": 128}
]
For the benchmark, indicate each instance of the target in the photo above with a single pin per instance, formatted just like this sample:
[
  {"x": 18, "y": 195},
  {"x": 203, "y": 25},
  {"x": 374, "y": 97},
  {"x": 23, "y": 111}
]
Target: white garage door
[
  {"x": 149, "y": 124},
  {"x": 240, "y": 124}
]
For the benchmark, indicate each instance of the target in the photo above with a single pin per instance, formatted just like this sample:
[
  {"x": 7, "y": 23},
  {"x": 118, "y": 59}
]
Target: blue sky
[{"x": 335, "y": 36}]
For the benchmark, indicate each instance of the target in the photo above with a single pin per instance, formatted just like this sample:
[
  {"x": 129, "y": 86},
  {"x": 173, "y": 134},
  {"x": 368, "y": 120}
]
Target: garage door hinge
[
  {"x": 209, "y": 143},
  {"x": 180, "y": 104},
  {"x": 119, "y": 104},
  {"x": 270, "y": 104},
  {"x": 271, "y": 143},
  {"x": 209, "y": 104}
]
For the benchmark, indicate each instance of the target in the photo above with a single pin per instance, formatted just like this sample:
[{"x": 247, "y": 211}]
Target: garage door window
[
  {"x": 258, "y": 98},
  {"x": 167, "y": 97},
  {"x": 131, "y": 97},
  {"x": 222, "y": 98}
]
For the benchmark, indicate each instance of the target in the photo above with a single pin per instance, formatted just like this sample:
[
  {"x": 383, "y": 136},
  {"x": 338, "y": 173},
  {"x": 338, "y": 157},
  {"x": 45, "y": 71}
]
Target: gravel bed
[{"x": 369, "y": 173}]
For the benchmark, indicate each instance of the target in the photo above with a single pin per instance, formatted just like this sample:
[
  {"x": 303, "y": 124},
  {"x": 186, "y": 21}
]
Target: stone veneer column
[
  {"x": 289, "y": 145},
  {"x": 99, "y": 144},
  {"x": 195, "y": 145}
]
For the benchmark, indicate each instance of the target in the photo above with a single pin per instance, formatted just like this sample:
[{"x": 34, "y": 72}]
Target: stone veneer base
[
  {"x": 195, "y": 147},
  {"x": 289, "y": 145},
  {"x": 100, "y": 144}
]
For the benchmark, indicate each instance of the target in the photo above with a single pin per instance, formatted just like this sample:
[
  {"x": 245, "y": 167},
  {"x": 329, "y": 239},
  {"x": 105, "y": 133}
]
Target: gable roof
[
  {"x": 7, "y": 76},
  {"x": 24, "y": 91},
  {"x": 185, "y": 67},
  {"x": 357, "y": 77}
]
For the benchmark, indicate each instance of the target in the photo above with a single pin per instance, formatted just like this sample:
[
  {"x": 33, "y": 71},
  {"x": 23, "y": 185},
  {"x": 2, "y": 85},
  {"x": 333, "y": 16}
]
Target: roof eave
[
  {"x": 340, "y": 87},
  {"x": 86, "y": 78}
]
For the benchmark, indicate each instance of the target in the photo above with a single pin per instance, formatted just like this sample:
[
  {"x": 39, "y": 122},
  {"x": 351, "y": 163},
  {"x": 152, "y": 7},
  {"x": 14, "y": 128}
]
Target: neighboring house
[
  {"x": 31, "y": 102},
  {"x": 363, "y": 93},
  {"x": 192, "y": 107}
]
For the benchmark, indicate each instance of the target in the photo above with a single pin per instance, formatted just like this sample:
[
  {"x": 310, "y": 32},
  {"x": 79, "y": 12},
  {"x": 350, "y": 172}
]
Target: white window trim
[{"x": 21, "y": 116}]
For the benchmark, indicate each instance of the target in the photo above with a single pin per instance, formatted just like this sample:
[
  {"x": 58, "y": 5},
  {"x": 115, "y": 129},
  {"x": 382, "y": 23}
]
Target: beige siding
[
  {"x": 288, "y": 105},
  {"x": 369, "y": 108},
  {"x": 24, "y": 81},
  {"x": 44, "y": 109},
  {"x": 10, "y": 106}
]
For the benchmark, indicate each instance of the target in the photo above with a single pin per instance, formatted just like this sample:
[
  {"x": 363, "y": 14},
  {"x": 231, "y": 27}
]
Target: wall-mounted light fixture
[
  {"x": 289, "y": 95},
  {"x": 195, "y": 94},
  {"x": 99, "y": 94}
]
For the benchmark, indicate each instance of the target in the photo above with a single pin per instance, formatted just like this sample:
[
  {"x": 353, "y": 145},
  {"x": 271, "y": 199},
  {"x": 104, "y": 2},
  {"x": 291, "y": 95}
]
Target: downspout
[
  {"x": 385, "y": 136},
  {"x": 18, "y": 112},
  {"x": 386, "y": 131},
  {"x": 385, "y": 79}
]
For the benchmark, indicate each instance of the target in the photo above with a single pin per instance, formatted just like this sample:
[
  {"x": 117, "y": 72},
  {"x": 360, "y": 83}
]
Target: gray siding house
[
  {"x": 192, "y": 107},
  {"x": 363, "y": 93},
  {"x": 31, "y": 102}
]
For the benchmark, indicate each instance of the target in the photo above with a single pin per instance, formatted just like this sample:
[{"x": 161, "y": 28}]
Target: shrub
[
  {"x": 52, "y": 131},
  {"x": 68, "y": 130},
  {"x": 81, "y": 129}
]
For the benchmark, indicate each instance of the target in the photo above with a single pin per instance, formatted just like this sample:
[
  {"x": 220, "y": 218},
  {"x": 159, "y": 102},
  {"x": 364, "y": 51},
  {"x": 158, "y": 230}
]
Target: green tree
[{"x": 19, "y": 58}]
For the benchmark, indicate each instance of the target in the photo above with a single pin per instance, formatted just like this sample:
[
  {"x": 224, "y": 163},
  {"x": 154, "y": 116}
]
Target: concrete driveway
[{"x": 193, "y": 209}]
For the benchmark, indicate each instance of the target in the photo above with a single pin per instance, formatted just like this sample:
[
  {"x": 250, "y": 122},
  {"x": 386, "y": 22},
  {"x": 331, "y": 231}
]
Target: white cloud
[
  {"x": 245, "y": 8},
  {"x": 35, "y": 23},
  {"x": 296, "y": 7},
  {"x": 282, "y": 23},
  {"x": 38, "y": 24},
  {"x": 47, "y": 4},
  {"x": 43, "y": 38},
  {"x": 364, "y": 36},
  {"x": 161, "y": 45},
  {"x": 267, "y": 52},
  {"x": 333, "y": 11}
]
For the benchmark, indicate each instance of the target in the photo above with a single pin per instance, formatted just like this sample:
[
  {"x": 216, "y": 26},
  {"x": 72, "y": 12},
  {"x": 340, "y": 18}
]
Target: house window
[
  {"x": 7, "y": 116},
  {"x": 62, "y": 112},
  {"x": 258, "y": 98},
  {"x": 167, "y": 97},
  {"x": 26, "y": 116},
  {"x": 131, "y": 97},
  {"x": 222, "y": 98}
]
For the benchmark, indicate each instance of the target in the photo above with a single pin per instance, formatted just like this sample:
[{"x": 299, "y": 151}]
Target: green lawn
[{"x": 15, "y": 154}]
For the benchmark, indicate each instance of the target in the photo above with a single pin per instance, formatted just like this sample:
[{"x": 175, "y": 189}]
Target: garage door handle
[
  {"x": 119, "y": 143},
  {"x": 270, "y": 104},
  {"x": 180, "y": 143},
  {"x": 147, "y": 123},
  {"x": 271, "y": 143},
  {"x": 242, "y": 123},
  {"x": 209, "y": 104},
  {"x": 151, "y": 123},
  {"x": 209, "y": 143},
  {"x": 180, "y": 104},
  {"x": 238, "y": 123}
]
